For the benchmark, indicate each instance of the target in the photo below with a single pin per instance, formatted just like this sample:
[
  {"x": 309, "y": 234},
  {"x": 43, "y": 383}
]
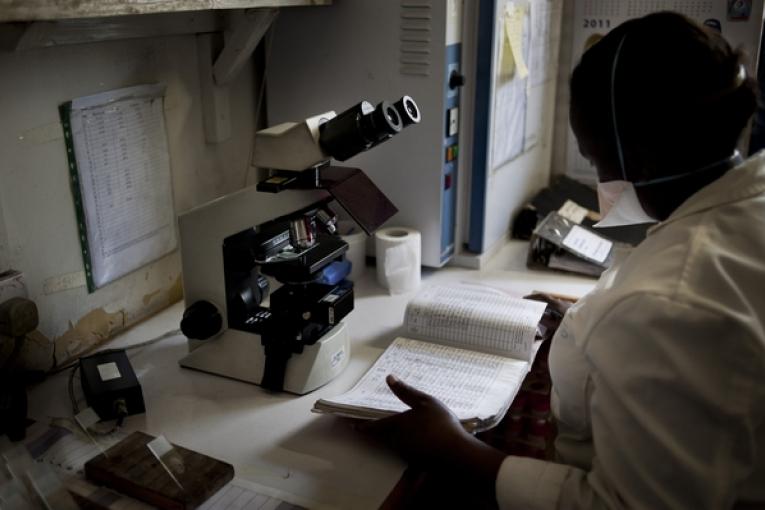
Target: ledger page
[
  {"x": 473, "y": 385},
  {"x": 475, "y": 317}
]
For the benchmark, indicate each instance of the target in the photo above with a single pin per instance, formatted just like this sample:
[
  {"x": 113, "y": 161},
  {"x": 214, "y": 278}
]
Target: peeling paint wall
[
  {"x": 36, "y": 211},
  {"x": 4, "y": 262}
]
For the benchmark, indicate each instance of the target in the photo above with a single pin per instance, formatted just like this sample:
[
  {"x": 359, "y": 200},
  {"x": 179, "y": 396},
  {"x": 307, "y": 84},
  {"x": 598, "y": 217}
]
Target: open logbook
[{"x": 469, "y": 346}]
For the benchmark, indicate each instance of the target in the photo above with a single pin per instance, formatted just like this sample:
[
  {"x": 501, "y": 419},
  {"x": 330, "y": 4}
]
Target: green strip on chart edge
[{"x": 65, "y": 111}]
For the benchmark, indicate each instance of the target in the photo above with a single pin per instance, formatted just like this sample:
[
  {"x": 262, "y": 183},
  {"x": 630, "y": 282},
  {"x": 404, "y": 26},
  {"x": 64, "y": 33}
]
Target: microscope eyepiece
[
  {"x": 408, "y": 111},
  {"x": 363, "y": 126},
  {"x": 343, "y": 136},
  {"x": 382, "y": 123}
]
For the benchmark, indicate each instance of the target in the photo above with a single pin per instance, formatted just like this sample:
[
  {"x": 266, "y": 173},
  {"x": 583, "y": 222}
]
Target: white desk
[{"x": 274, "y": 439}]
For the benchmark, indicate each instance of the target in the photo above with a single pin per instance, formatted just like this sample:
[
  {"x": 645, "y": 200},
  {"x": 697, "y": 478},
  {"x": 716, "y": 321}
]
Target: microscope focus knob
[{"x": 201, "y": 321}]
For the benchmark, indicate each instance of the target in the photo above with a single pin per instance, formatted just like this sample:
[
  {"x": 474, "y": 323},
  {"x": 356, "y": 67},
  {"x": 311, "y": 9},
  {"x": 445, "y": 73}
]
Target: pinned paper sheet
[
  {"x": 515, "y": 14},
  {"x": 509, "y": 104}
]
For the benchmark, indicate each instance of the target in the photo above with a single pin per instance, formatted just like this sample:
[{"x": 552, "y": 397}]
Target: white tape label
[{"x": 108, "y": 371}]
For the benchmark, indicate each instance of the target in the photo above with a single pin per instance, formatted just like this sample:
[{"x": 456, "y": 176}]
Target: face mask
[
  {"x": 619, "y": 205},
  {"x": 618, "y": 201}
]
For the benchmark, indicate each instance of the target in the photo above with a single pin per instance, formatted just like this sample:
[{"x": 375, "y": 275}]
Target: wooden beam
[
  {"x": 216, "y": 111},
  {"x": 39, "y": 34},
  {"x": 247, "y": 4},
  {"x": 34, "y": 10},
  {"x": 243, "y": 40}
]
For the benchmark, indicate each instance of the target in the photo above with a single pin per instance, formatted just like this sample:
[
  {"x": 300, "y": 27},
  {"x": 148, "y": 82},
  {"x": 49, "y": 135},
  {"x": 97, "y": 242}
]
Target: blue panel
[
  {"x": 483, "y": 80},
  {"x": 449, "y": 196}
]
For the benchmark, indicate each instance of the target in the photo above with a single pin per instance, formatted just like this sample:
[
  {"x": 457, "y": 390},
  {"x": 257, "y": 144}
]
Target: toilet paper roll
[
  {"x": 357, "y": 247},
  {"x": 398, "y": 259}
]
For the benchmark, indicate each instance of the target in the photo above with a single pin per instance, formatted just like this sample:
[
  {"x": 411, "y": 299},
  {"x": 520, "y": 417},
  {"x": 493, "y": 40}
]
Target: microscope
[{"x": 284, "y": 228}]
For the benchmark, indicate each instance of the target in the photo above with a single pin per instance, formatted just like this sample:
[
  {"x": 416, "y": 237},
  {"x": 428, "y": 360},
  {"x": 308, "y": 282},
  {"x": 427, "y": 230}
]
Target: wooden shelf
[
  {"x": 241, "y": 24},
  {"x": 38, "y": 10}
]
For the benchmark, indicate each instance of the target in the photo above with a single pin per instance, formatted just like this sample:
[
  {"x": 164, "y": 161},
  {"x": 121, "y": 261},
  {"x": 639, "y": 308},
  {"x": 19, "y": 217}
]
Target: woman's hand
[
  {"x": 425, "y": 434},
  {"x": 430, "y": 436},
  {"x": 555, "y": 304}
]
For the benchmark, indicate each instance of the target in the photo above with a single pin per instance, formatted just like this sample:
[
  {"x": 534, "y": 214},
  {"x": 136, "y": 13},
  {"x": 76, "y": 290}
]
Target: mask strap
[
  {"x": 729, "y": 162},
  {"x": 619, "y": 151}
]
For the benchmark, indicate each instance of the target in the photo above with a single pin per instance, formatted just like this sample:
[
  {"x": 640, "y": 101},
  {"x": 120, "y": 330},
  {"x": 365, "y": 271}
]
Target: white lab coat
[{"x": 659, "y": 372}]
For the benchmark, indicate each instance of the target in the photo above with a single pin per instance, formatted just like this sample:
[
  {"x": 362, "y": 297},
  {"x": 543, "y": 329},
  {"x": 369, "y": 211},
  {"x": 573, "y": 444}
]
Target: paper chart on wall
[
  {"x": 511, "y": 82},
  {"x": 120, "y": 178},
  {"x": 739, "y": 22},
  {"x": 545, "y": 35},
  {"x": 543, "y": 55}
]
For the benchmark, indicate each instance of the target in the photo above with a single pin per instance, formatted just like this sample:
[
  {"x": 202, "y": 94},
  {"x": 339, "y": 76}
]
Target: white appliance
[{"x": 375, "y": 49}]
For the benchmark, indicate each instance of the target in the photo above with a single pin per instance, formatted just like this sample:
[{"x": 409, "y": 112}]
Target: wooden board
[
  {"x": 130, "y": 468},
  {"x": 30, "y": 10}
]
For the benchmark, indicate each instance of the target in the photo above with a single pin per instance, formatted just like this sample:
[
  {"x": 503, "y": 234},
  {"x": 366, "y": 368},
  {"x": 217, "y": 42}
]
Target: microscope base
[{"x": 239, "y": 355}]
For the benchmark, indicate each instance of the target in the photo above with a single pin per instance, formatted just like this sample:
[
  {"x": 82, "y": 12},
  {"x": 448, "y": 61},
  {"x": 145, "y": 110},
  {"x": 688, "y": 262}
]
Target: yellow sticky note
[
  {"x": 513, "y": 20},
  {"x": 506, "y": 60}
]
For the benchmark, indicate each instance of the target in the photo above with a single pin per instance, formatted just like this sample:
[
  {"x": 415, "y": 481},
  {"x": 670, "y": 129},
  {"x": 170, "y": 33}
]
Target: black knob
[
  {"x": 201, "y": 321},
  {"x": 456, "y": 79}
]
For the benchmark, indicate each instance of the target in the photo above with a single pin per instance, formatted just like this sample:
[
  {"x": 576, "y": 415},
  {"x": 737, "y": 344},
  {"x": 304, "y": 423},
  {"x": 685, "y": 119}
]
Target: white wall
[{"x": 36, "y": 211}]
